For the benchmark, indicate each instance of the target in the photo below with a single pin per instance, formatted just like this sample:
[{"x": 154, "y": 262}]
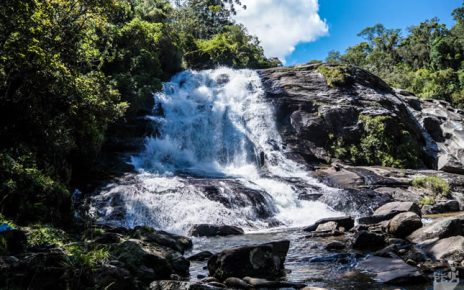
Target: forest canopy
[
  {"x": 70, "y": 68},
  {"x": 427, "y": 60}
]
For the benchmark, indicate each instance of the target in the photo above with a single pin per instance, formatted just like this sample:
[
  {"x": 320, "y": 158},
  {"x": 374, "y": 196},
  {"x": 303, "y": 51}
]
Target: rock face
[
  {"x": 404, "y": 224},
  {"x": 205, "y": 230},
  {"x": 443, "y": 131},
  {"x": 262, "y": 261},
  {"x": 311, "y": 115}
]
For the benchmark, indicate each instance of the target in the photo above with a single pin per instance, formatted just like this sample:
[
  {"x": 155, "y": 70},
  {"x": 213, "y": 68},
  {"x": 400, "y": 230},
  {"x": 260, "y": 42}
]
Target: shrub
[
  {"x": 335, "y": 76},
  {"x": 46, "y": 236},
  {"x": 383, "y": 142}
]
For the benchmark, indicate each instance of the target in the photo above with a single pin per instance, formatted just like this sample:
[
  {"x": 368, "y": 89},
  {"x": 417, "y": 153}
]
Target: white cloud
[{"x": 281, "y": 24}]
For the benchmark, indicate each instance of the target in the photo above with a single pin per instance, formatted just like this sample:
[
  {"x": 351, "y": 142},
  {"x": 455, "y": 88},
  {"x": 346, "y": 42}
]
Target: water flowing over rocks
[{"x": 256, "y": 151}]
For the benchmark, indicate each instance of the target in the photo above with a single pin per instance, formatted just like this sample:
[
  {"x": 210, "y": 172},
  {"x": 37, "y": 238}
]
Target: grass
[{"x": 437, "y": 185}]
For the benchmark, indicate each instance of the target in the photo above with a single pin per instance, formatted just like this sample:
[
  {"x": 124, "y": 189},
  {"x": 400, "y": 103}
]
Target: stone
[
  {"x": 334, "y": 246},
  {"x": 181, "y": 285},
  {"x": 451, "y": 248},
  {"x": 390, "y": 270},
  {"x": 328, "y": 226},
  {"x": 442, "y": 228},
  {"x": 206, "y": 230},
  {"x": 404, "y": 224},
  {"x": 442, "y": 207},
  {"x": 346, "y": 222},
  {"x": 263, "y": 283},
  {"x": 236, "y": 283},
  {"x": 201, "y": 256},
  {"x": 262, "y": 261},
  {"x": 393, "y": 208},
  {"x": 365, "y": 240},
  {"x": 432, "y": 125}
]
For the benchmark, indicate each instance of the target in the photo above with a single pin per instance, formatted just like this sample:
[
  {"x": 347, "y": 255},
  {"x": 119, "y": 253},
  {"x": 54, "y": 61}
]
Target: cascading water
[{"x": 217, "y": 158}]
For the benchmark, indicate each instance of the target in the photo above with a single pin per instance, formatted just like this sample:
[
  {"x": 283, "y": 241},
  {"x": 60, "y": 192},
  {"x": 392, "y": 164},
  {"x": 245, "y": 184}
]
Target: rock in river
[
  {"x": 261, "y": 261},
  {"x": 206, "y": 230}
]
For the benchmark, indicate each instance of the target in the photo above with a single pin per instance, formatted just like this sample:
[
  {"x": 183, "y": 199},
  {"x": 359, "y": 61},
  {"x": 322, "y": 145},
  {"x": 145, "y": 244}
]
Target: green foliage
[
  {"x": 426, "y": 200},
  {"x": 233, "y": 48},
  {"x": 335, "y": 76},
  {"x": 28, "y": 195},
  {"x": 437, "y": 185},
  {"x": 382, "y": 143},
  {"x": 427, "y": 61},
  {"x": 46, "y": 236},
  {"x": 84, "y": 255}
]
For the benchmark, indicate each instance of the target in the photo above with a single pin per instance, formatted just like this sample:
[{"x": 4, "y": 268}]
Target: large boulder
[
  {"x": 262, "y": 261},
  {"x": 390, "y": 270},
  {"x": 393, "y": 208},
  {"x": 404, "y": 224},
  {"x": 345, "y": 222},
  {"x": 451, "y": 248},
  {"x": 439, "y": 229},
  {"x": 208, "y": 230},
  {"x": 442, "y": 207},
  {"x": 364, "y": 240}
]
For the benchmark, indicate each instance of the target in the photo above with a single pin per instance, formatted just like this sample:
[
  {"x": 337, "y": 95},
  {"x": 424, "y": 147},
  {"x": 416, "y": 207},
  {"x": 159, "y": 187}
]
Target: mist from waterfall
[{"x": 215, "y": 125}]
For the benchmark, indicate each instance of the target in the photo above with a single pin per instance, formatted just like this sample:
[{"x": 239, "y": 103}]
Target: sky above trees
[{"x": 301, "y": 30}]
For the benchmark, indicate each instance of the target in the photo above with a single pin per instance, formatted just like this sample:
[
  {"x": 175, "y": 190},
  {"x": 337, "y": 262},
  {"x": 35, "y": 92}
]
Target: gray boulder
[
  {"x": 390, "y": 270},
  {"x": 393, "y": 208},
  {"x": 207, "y": 230},
  {"x": 404, "y": 224},
  {"x": 345, "y": 222},
  {"x": 451, "y": 248},
  {"x": 262, "y": 261},
  {"x": 439, "y": 229}
]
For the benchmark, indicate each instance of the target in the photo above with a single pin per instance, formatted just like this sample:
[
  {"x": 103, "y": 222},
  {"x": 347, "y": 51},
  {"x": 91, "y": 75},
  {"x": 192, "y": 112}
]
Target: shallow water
[{"x": 307, "y": 260}]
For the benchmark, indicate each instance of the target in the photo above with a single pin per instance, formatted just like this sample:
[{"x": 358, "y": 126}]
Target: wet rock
[
  {"x": 375, "y": 219},
  {"x": 263, "y": 261},
  {"x": 442, "y": 207},
  {"x": 149, "y": 235},
  {"x": 236, "y": 283},
  {"x": 440, "y": 229},
  {"x": 143, "y": 263},
  {"x": 345, "y": 222},
  {"x": 404, "y": 224},
  {"x": 112, "y": 277},
  {"x": 313, "y": 288},
  {"x": 451, "y": 248},
  {"x": 47, "y": 270},
  {"x": 389, "y": 270},
  {"x": 393, "y": 208},
  {"x": 201, "y": 256},
  {"x": 432, "y": 125},
  {"x": 206, "y": 230},
  {"x": 365, "y": 240},
  {"x": 263, "y": 283},
  {"x": 328, "y": 226},
  {"x": 334, "y": 246},
  {"x": 309, "y": 196},
  {"x": 180, "y": 285}
]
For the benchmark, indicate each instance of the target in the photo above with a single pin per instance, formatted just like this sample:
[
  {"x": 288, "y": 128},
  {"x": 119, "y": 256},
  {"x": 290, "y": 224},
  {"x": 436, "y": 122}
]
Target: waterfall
[{"x": 217, "y": 158}]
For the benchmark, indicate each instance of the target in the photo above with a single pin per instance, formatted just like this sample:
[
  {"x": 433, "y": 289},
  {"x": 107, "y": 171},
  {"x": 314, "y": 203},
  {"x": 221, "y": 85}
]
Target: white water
[{"x": 216, "y": 130}]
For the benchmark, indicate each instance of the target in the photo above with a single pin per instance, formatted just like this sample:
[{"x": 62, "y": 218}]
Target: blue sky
[{"x": 346, "y": 18}]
